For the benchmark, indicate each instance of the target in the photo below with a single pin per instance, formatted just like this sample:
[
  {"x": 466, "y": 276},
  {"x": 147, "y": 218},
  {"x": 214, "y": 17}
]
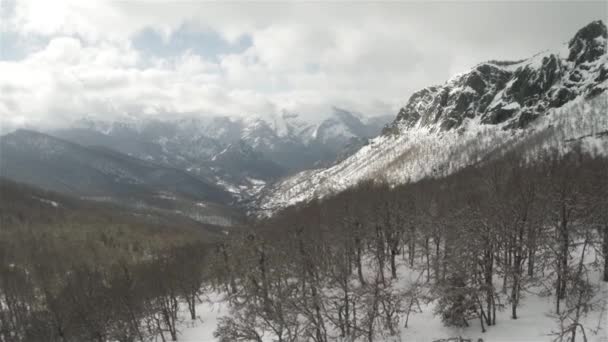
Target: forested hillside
[
  {"x": 479, "y": 240},
  {"x": 72, "y": 270}
]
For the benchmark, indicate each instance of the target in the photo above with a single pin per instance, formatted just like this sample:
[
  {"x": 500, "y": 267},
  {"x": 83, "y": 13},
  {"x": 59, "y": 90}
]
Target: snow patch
[{"x": 46, "y": 201}]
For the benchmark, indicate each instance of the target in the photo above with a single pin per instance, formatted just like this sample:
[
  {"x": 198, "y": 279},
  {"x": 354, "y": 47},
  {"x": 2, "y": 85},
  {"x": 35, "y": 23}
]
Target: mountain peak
[
  {"x": 25, "y": 132},
  {"x": 27, "y": 136},
  {"x": 513, "y": 93},
  {"x": 588, "y": 43}
]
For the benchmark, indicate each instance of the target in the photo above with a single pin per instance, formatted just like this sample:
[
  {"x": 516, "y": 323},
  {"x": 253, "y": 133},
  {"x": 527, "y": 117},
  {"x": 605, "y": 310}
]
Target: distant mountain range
[
  {"x": 102, "y": 174},
  {"x": 201, "y": 167},
  {"x": 239, "y": 154},
  {"x": 555, "y": 99}
]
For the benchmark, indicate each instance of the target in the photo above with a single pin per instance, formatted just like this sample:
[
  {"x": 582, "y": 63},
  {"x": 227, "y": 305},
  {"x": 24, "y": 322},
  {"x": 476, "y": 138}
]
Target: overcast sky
[{"x": 61, "y": 60}]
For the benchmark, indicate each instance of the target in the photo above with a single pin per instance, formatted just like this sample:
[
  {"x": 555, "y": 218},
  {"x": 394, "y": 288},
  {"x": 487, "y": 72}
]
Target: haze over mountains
[
  {"x": 151, "y": 162},
  {"x": 252, "y": 160},
  {"x": 102, "y": 174}
]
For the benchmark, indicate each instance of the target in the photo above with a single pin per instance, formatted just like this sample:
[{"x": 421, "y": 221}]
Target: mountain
[
  {"x": 240, "y": 154},
  {"x": 103, "y": 174},
  {"x": 514, "y": 92},
  {"x": 551, "y": 100}
]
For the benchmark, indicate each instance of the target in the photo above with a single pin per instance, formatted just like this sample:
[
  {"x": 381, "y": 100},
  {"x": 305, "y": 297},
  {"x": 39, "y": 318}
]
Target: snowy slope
[
  {"x": 537, "y": 320},
  {"x": 549, "y": 100}
]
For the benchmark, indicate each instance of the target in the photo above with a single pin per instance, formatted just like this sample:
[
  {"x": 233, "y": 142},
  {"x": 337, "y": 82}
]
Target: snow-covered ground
[
  {"x": 536, "y": 321},
  {"x": 208, "y": 312},
  {"x": 47, "y": 201}
]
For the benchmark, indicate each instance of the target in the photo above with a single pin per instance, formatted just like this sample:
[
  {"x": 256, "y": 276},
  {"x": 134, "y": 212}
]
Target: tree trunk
[
  {"x": 262, "y": 266},
  {"x": 505, "y": 265},
  {"x": 517, "y": 269},
  {"x": 393, "y": 265},
  {"x": 380, "y": 253},
  {"x": 427, "y": 251},
  {"x": 412, "y": 248},
  {"x": 437, "y": 258},
  {"x": 228, "y": 268},
  {"x": 532, "y": 250},
  {"x": 346, "y": 307},
  {"x": 565, "y": 246},
  {"x": 605, "y": 250},
  {"x": 192, "y": 306},
  {"x": 488, "y": 275},
  {"x": 531, "y": 263},
  {"x": 359, "y": 266}
]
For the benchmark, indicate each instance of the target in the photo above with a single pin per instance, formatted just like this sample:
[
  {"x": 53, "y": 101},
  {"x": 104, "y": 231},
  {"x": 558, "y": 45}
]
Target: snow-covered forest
[{"x": 477, "y": 251}]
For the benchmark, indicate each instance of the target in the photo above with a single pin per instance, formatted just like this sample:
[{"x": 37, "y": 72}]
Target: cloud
[{"x": 68, "y": 59}]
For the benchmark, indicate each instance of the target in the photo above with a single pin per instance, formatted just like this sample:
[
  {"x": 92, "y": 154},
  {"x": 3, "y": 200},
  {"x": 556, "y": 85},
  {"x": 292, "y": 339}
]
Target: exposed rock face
[
  {"x": 589, "y": 43},
  {"x": 493, "y": 108},
  {"x": 514, "y": 93}
]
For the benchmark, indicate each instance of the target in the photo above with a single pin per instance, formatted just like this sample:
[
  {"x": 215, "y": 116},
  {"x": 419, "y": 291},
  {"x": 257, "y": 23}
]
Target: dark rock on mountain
[
  {"x": 589, "y": 43},
  {"x": 249, "y": 163},
  {"x": 513, "y": 93}
]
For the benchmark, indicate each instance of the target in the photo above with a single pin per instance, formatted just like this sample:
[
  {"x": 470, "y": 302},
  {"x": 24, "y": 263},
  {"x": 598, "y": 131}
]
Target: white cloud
[{"x": 304, "y": 57}]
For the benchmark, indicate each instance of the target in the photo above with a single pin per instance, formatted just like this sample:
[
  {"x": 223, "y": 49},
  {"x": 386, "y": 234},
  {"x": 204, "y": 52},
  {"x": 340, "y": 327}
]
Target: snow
[
  {"x": 534, "y": 62},
  {"x": 221, "y": 153},
  {"x": 420, "y": 152},
  {"x": 46, "y": 201},
  {"x": 229, "y": 187},
  {"x": 332, "y": 129},
  {"x": 166, "y": 195},
  {"x": 512, "y": 106},
  {"x": 536, "y": 321},
  {"x": 255, "y": 181},
  {"x": 208, "y": 312},
  {"x": 217, "y": 220}
]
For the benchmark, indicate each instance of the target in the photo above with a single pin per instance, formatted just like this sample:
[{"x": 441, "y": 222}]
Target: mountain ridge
[
  {"x": 103, "y": 174},
  {"x": 517, "y": 92},
  {"x": 491, "y": 108},
  {"x": 280, "y": 145}
]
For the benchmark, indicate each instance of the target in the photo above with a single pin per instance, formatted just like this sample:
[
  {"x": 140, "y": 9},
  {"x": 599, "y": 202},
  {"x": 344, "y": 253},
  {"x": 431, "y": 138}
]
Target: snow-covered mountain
[
  {"x": 239, "y": 153},
  {"x": 553, "y": 99}
]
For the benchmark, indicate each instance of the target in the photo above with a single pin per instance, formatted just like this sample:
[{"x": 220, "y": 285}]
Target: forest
[{"x": 329, "y": 270}]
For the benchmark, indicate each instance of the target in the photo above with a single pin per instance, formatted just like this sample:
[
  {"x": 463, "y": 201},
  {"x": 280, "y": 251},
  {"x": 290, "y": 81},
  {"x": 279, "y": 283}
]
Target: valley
[{"x": 478, "y": 211}]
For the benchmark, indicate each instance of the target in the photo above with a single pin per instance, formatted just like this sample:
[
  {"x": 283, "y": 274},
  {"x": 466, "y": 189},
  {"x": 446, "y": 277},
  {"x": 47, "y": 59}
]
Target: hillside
[
  {"x": 22, "y": 206},
  {"x": 106, "y": 175},
  {"x": 546, "y": 100}
]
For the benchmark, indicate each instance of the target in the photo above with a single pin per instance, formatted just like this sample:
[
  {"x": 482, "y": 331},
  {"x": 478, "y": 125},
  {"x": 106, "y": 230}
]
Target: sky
[{"x": 64, "y": 60}]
